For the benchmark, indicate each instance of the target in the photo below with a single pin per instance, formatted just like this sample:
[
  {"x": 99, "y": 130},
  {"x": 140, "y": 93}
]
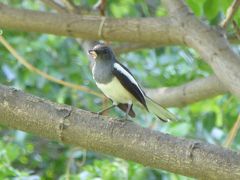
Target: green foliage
[{"x": 26, "y": 156}]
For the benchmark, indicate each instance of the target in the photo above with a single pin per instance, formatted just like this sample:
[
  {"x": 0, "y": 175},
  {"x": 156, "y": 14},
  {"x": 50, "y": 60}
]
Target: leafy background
[{"x": 26, "y": 156}]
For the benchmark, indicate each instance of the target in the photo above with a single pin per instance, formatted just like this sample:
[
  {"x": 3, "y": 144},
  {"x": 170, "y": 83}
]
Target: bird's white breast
[{"x": 115, "y": 91}]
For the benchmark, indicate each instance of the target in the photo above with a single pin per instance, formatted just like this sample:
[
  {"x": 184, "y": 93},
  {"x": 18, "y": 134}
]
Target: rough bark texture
[{"x": 126, "y": 140}]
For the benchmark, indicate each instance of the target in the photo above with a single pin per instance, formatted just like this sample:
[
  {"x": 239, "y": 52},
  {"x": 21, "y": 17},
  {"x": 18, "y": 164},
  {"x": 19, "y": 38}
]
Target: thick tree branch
[
  {"x": 128, "y": 47},
  {"x": 129, "y": 141},
  {"x": 196, "y": 90},
  {"x": 87, "y": 27}
]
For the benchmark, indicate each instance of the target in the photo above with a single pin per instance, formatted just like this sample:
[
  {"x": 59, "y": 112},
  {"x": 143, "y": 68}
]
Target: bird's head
[{"x": 101, "y": 52}]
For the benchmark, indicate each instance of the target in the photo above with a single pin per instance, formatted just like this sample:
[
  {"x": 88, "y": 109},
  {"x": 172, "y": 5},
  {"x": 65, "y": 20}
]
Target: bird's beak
[{"x": 92, "y": 53}]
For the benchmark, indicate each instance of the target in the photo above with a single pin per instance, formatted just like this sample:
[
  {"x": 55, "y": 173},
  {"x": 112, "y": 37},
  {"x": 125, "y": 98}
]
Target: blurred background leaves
[{"x": 26, "y": 156}]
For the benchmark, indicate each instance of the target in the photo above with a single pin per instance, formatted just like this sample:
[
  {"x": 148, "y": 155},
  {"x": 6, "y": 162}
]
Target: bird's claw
[
  {"x": 124, "y": 120},
  {"x": 193, "y": 146},
  {"x": 99, "y": 114}
]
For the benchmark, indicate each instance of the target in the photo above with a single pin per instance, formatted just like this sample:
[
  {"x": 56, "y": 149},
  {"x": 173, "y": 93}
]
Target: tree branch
[
  {"x": 209, "y": 42},
  {"x": 54, "y": 5},
  {"x": 128, "y": 47},
  {"x": 237, "y": 29},
  {"x": 233, "y": 132},
  {"x": 230, "y": 12},
  {"x": 161, "y": 30},
  {"x": 188, "y": 93},
  {"x": 129, "y": 141}
]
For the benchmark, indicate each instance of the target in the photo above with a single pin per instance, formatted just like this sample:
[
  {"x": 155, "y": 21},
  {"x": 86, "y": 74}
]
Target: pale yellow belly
[{"x": 115, "y": 91}]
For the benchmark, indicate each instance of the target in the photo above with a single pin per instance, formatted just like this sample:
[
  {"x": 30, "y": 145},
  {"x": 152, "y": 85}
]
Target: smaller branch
[
  {"x": 72, "y": 160},
  {"x": 233, "y": 39},
  {"x": 43, "y": 74},
  {"x": 237, "y": 30},
  {"x": 68, "y": 5},
  {"x": 196, "y": 90},
  {"x": 230, "y": 13},
  {"x": 233, "y": 133},
  {"x": 54, "y": 5},
  {"x": 100, "y": 5}
]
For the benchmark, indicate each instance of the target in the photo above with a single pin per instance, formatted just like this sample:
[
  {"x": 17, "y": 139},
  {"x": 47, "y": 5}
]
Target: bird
[{"x": 118, "y": 84}]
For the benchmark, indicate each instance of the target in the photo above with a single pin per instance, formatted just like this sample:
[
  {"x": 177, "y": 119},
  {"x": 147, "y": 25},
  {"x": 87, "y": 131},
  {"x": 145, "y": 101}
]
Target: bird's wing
[{"x": 128, "y": 82}]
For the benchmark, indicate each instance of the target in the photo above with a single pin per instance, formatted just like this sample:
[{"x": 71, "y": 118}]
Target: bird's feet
[
  {"x": 99, "y": 113},
  {"x": 124, "y": 119}
]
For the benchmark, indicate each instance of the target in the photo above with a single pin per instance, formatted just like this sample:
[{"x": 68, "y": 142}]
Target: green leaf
[
  {"x": 13, "y": 152},
  {"x": 211, "y": 9},
  {"x": 196, "y": 6}
]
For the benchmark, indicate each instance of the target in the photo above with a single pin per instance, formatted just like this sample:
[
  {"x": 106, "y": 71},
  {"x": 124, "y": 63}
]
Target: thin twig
[
  {"x": 68, "y": 5},
  {"x": 83, "y": 161},
  {"x": 237, "y": 29},
  {"x": 54, "y": 5},
  {"x": 233, "y": 133},
  {"x": 43, "y": 74},
  {"x": 71, "y": 160},
  {"x": 100, "y": 5},
  {"x": 234, "y": 39},
  {"x": 230, "y": 12}
]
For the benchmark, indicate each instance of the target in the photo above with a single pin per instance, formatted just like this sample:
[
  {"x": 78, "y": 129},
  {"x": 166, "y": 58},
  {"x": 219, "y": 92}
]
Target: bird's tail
[{"x": 159, "y": 111}]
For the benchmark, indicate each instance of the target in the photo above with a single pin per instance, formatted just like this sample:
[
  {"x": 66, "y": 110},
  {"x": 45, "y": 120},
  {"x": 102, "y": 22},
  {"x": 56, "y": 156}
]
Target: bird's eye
[{"x": 104, "y": 51}]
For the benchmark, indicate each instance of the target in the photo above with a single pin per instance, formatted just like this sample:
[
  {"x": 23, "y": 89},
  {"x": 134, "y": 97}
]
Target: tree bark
[
  {"x": 106, "y": 135},
  {"x": 89, "y": 27}
]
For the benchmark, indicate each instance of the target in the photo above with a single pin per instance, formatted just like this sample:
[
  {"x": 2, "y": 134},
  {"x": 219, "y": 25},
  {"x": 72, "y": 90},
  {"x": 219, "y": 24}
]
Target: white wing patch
[{"x": 130, "y": 77}]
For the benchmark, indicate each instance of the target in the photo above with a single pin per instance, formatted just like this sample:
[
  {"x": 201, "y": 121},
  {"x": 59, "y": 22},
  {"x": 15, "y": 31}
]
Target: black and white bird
[{"x": 118, "y": 84}]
